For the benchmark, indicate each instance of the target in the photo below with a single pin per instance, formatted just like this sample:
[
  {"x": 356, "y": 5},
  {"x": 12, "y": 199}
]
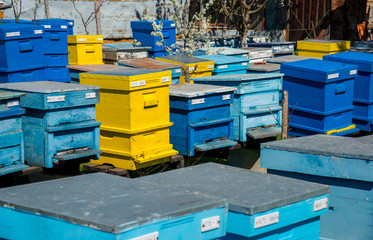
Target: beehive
[
  {"x": 227, "y": 64},
  {"x": 85, "y": 49},
  {"x": 318, "y": 48}
]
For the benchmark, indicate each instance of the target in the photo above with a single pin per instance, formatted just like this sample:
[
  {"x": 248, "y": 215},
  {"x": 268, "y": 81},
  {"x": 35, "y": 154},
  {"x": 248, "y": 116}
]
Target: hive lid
[
  {"x": 319, "y": 70},
  {"x": 147, "y": 25},
  {"x": 125, "y": 72},
  {"x": 238, "y": 77},
  {"x": 266, "y": 67},
  {"x": 54, "y": 24},
  {"x": 183, "y": 59},
  {"x": 364, "y": 61},
  {"x": 221, "y": 59},
  {"x": 46, "y": 87},
  {"x": 149, "y": 64},
  {"x": 105, "y": 202},
  {"x": 125, "y": 46},
  {"x": 228, "y": 51},
  {"x": 343, "y": 147},
  {"x": 9, "y": 95},
  {"x": 83, "y": 39},
  {"x": 323, "y": 45},
  {"x": 246, "y": 191},
  {"x": 285, "y": 59},
  {"x": 94, "y": 68},
  {"x": 195, "y": 90}
]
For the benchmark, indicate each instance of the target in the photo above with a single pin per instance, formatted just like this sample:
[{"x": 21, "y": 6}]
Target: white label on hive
[
  {"x": 198, "y": 101},
  {"x": 173, "y": 25},
  {"x": 13, "y": 34},
  {"x": 266, "y": 220},
  {"x": 245, "y": 56},
  {"x": 226, "y": 97},
  {"x": 47, "y": 26},
  {"x": 12, "y": 103},
  {"x": 99, "y": 39},
  {"x": 56, "y": 99},
  {"x": 335, "y": 75},
  {"x": 138, "y": 84},
  {"x": 38, "y": 31},
  {"x": 320, "y": 204},
  {"x": 63, "y": 27},
  {"x": 150, "y": 236},
  {"x": 211, "y": 66},
  {"x": 211, "y": 223},
  {"x": 82, "y": 39},
  {"x": 165, "y": 79},
  {"x": 90, "y": 95},
  {"x": 192, "y": 69},
  {"x": 353, "y": 72},
  {"x": 178, "y": 71},
  {"x": 223, "y": 67},
  {"x": 244, "y": 64},
  {"x": 71, "y": 23}
]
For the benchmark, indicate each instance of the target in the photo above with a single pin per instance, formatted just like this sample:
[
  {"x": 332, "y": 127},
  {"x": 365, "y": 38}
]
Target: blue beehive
[
  {"x": 59, "y": 124},
  {"x": 227, "y": 51},
  {"x": 363, "y": 87},
  {"x": 11, "y": 136},
  {"x": 201, "y": 116},
  {"x": 103, "y": 206},
  {"x": 32, "y": 75},
  {"x": 343, "y": 163},
  {"x": 71, "y": 26},
  {"x": 279, "y": 48},
  {"x": 260, "y": 206},
  {"x": 21, "y": 47},
  {"x": 255, "y": 109},
  {"x": 141, "y": 31},
  {"x": 320, "y": 96},
  {"x": 227, "y": 64}
]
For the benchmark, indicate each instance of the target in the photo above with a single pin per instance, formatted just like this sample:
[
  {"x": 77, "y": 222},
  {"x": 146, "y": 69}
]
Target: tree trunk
[
  {"x": 46, "y": 9},
  {"x": 244, "y": 37}
]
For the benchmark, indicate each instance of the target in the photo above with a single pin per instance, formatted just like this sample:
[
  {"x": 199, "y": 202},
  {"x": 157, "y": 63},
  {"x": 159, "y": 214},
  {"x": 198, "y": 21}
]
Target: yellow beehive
[
  {"x": 85, "y": 49},
  {"x": 319, "y": 48},
  {"x": 197, "y": 67},
  {"x": 135, "y": 116}
]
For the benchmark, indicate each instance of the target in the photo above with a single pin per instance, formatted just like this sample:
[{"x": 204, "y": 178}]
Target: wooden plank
[
  {"x": 118, "y": 171},
  {"x": 103, "y": 168},
  {"x": 32, "y": 170},
  {"x": 90, "y": 166}
]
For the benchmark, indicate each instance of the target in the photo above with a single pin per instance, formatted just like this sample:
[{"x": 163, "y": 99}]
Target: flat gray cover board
[
  {"x": 238, "y": 77},
  {"x": 46, "y": 87},
  {"x": 285, "y": 59},
  {"x": 195, "y": 90},
  {"x": 105, "y": 202},
  {"x": 267, "y": 67},
  {"x": 344, "y": 147},
  {"x": 246, "y": 191}
]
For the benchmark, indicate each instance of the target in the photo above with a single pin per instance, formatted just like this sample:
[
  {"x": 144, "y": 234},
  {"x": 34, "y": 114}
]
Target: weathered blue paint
[
  {"x": 21, "y": 47},
  {"x": 227, "y": 51},
  {"x": 251, "y": 195},
  {"x": 141, "y": 31},
  {"x": 102, "y": 206},
  {"x": 57, "y": 74},
  {"x": 279, "y": 48},
  {"x": 201, "y": 116},
  {"x": 343, "y": 163},
  {"x": 31, "y": 75},
  {"x": 59, "y": 118},
  {"x": 11, "y": 136},
  {"x": 227, "y": 64},
  {"x": 256, "y": 100}
]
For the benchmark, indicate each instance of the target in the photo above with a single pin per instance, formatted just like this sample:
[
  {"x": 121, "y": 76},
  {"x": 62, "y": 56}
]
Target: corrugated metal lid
[
  {"x": 45, "y": 87},
  {"x": 195, "y": 90}
]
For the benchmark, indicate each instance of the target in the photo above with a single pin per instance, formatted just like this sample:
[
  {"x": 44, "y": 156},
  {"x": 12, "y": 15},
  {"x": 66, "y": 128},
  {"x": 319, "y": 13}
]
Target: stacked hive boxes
[
  {"x": 149, "y": 63},
  {"x": 55, "y": 49},
  {"x": 59, "y": 124},
  {"x": 115, "y": 52},
  {"x": 343, "y": 163},
  {"x": 102, "y": 206},
  {"x": 142, "y": 32},
  {"x": 11, "y": 135},
  {"x": 320, "y": 96},
  {"x": 256, "y": 207},
  {"x": 256, "y": 110},
  {"x": 85, "y": 49},
  {"x": 197, "y": 67},
  {"x": 21, "y": 48},
  {"x": 135, "y": 116},
  {"x": 201, "y": 116},
  {"x": 257, "y": 54},
  {"x": 319, "y": 48},
  {"x": 227, "y": 64},
  {"x": 279, "y": 48},
  {"x": 363, "y": 88}
]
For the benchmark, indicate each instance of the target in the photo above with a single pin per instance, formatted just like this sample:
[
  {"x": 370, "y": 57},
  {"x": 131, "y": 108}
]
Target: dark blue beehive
[
  {"x": 201, "y": 116},
  {"x": 363, "y": 88},
  {"x": 60, "y": 121},
  {"x": 343, "y": 163},
  {"x": 320, "y": 96},
  {"x": 261, "y": 206}
]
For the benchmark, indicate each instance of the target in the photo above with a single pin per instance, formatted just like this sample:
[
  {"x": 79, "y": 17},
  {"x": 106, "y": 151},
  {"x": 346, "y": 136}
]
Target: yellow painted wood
[
  {"x": 324, "y": 45},
  {"x": 340, "y": 130},
  {"x": 85, "y": 49},
  {"x": 131, "y": 108},
  {"x": 315, "y": 54}
]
